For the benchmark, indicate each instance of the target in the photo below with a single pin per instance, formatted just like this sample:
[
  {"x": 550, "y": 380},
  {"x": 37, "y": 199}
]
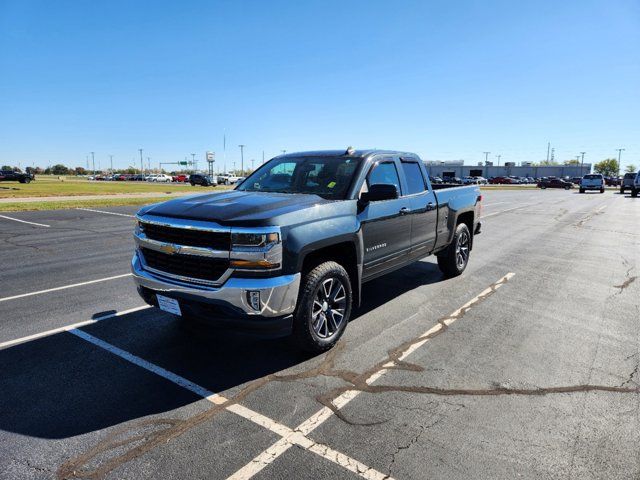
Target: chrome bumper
[{"x": 278, "y": 295}]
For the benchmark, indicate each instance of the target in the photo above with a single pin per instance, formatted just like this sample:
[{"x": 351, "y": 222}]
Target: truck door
[
  {"x": 424, "y": 208},
  {"x": 386, "y": 225}
]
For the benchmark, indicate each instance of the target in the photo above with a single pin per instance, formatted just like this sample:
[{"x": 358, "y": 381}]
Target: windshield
[{"x": 328, "y": 177}]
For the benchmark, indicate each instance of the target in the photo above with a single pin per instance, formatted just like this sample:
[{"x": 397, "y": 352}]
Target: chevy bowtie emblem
[{"x": 169, "y": 248}]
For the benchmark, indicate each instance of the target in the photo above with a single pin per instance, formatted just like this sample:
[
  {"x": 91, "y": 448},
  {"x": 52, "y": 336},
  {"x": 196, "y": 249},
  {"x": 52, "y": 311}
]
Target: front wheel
[
  {"x": 634, "y": 193},
  {"x": 602, "y": 190},
  {"x": 582, "y": 190},
  {"x": 323, "y": 309},
  {"x": 453, "y": 261}
]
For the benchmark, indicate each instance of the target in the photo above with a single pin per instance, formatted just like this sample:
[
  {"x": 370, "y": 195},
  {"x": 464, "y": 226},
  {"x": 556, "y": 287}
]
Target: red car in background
[
  {"x": 502, "y": 181},
  {"x": 180, "y": 178}
]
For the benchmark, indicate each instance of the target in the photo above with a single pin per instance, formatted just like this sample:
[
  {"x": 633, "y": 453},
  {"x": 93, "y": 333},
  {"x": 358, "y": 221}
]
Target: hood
[{"x": 235, "y": 207}]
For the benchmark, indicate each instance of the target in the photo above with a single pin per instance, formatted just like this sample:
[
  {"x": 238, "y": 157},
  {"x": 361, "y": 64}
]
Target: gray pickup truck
[{"x": 288, "y": 250}]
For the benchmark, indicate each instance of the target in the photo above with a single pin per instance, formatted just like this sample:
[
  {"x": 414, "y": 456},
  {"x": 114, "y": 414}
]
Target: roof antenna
[{"x": 350, "y": 151}]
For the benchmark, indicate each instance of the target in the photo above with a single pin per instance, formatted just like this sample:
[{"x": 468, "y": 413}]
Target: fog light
[{"x": 253, "y": 297}]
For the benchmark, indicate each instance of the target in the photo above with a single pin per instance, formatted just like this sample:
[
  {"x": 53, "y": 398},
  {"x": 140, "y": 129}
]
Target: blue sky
[{"x": 445, "y": 79}]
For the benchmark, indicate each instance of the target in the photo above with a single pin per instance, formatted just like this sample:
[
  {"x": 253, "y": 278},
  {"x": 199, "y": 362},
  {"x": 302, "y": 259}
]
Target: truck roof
[{"x": 354, "y": 153}]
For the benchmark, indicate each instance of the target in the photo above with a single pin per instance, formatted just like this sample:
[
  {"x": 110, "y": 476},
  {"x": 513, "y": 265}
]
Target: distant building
[{"x": 456, "y": 168}]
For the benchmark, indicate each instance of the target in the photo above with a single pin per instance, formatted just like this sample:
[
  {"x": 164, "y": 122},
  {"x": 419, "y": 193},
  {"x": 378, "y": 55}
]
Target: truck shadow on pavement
[{"x": 62, "y": 386}]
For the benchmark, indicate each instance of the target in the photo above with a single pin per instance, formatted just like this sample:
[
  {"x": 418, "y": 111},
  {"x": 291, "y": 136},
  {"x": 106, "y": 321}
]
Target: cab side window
[
  {"x": 384, "y": 173},
  {"x": 413, "y": 175}
]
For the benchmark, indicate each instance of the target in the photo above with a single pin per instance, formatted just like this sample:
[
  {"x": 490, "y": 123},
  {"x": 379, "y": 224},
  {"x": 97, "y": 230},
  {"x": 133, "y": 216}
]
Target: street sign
[
  {"x": 211, "y": 157},
  {"x": 183, "y": 163}
]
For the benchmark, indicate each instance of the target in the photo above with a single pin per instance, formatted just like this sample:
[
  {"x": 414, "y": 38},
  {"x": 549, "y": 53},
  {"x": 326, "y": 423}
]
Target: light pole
[
  {"x": 93, "y": 160},
  {"x": 241, "y": 159},
  {"x": 111, "y": 162},
  {"x": 148, "y": 163},
  {"x": 252, "y": 160},
  {"x": 141, "y": 165},
  {"x": 193, "y": 161},
  {"x": 620, "y": 150},
  {"x": 486, "y": 157},
  {"x": 582, "y": 163},
  {"x": 263, "y": 156},
  {"x": 498, "y": 157}
]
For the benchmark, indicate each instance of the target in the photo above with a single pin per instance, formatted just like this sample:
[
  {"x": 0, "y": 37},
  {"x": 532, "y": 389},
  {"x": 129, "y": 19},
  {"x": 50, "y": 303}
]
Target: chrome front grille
[{"x": 185, "y": 251}]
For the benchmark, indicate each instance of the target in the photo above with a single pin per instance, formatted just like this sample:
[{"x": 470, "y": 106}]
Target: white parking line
[
  {"x": 507, "y": 210},
  {"x": 24, "y": 221},
  {"x": 274, "y": 451},
  {"x": 67, "y": 328},
  {"x": 64, "y": 287},
  {"x": 289, "y": 438},
  {"x": 108, "y": 213}
]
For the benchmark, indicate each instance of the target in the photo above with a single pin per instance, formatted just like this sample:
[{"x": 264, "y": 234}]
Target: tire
[
  {"x": 634, "y": 193},
  {"x": 543, "y": 187},
  {"x": 621, "y": 191},
  {"x": 317, "y": 324},
  {"x": 602, "y": 190},
  {"x": 192, "y": 184},
  {"x": 453, "y": 261},
  {"x": 582, "y": 190},
  {"x": 567, "y": 188}
]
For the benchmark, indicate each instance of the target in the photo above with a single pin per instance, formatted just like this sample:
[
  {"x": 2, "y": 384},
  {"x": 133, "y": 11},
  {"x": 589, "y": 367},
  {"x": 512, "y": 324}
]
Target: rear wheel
[
  {"x": 621, "y": 191},
  {"x": 634, "y": 193},
  {"x": 324, "y": 307},
  {"x": 567, "y": 187},
  {"x": 602, "y": 190},
  {"x": 193, "y": 184},
  {"x": 582, "y": 190},
  {"x": 453, "y": 261}
]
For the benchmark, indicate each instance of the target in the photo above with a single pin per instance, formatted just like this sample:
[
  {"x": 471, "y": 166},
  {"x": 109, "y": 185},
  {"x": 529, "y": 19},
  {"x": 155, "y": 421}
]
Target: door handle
[
  {"x": 430, "y": 206},
  {"x": 404, "y": 211}
]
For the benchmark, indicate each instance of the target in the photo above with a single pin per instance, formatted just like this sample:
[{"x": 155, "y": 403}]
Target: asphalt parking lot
[{"x": 525, "y": 366}]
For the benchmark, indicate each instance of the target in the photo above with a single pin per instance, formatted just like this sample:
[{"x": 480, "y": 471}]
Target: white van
[{"x": 592, "y": 181}]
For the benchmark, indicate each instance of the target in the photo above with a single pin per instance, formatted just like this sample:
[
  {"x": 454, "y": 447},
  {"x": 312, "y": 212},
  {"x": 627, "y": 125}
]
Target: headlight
[
  {"x": 257, "y": 251},
  {"x": 241, "y": 241}
]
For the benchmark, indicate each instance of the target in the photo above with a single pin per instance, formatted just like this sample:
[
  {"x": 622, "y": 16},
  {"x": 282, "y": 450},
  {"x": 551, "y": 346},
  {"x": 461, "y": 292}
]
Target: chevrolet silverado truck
[{"x": 288, "y": 250}]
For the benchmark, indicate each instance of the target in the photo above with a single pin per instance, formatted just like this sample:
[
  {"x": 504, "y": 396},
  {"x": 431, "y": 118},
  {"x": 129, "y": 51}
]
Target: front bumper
[{"x": 228, "y": 304}]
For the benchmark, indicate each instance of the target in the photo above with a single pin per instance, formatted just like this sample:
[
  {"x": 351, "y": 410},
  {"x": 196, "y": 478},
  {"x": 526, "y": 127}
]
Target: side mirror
[{"x": 378, "y": 192}]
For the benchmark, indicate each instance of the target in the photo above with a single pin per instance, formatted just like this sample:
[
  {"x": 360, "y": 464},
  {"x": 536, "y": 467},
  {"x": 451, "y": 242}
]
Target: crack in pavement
[{"x": 79, "y": 465}]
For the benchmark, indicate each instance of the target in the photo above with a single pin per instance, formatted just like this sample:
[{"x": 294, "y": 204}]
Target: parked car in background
[
  {"x": 502, "y": 181},
  {"x": 592, "y": 181},
  {"x": 226, "y": 179},
  {"x": 471, "y": 180},
  {"x": 436, "y": 180},
  {"x": 612, "y": 181},
  {"x": 202, "y": 179},
  {"x": 576, "y": 180},
  {"x": 635, "y": 188},
  {"x": 11, "y": 176},
  {"x": 627, "y": 181},
  {"x": 181, "y": 177},
  {"x": 452, "y": 180},
  {"x": 555, "y": 183},
  {"x": 159, "y": 178}
]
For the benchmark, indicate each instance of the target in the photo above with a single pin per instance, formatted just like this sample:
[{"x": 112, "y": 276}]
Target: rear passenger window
[{"x": 415, "y": 180}]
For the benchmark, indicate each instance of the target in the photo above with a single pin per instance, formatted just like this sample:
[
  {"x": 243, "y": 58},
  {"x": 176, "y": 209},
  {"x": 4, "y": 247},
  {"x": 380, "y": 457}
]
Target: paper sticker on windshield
[{"x": 331, "y": 184}]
